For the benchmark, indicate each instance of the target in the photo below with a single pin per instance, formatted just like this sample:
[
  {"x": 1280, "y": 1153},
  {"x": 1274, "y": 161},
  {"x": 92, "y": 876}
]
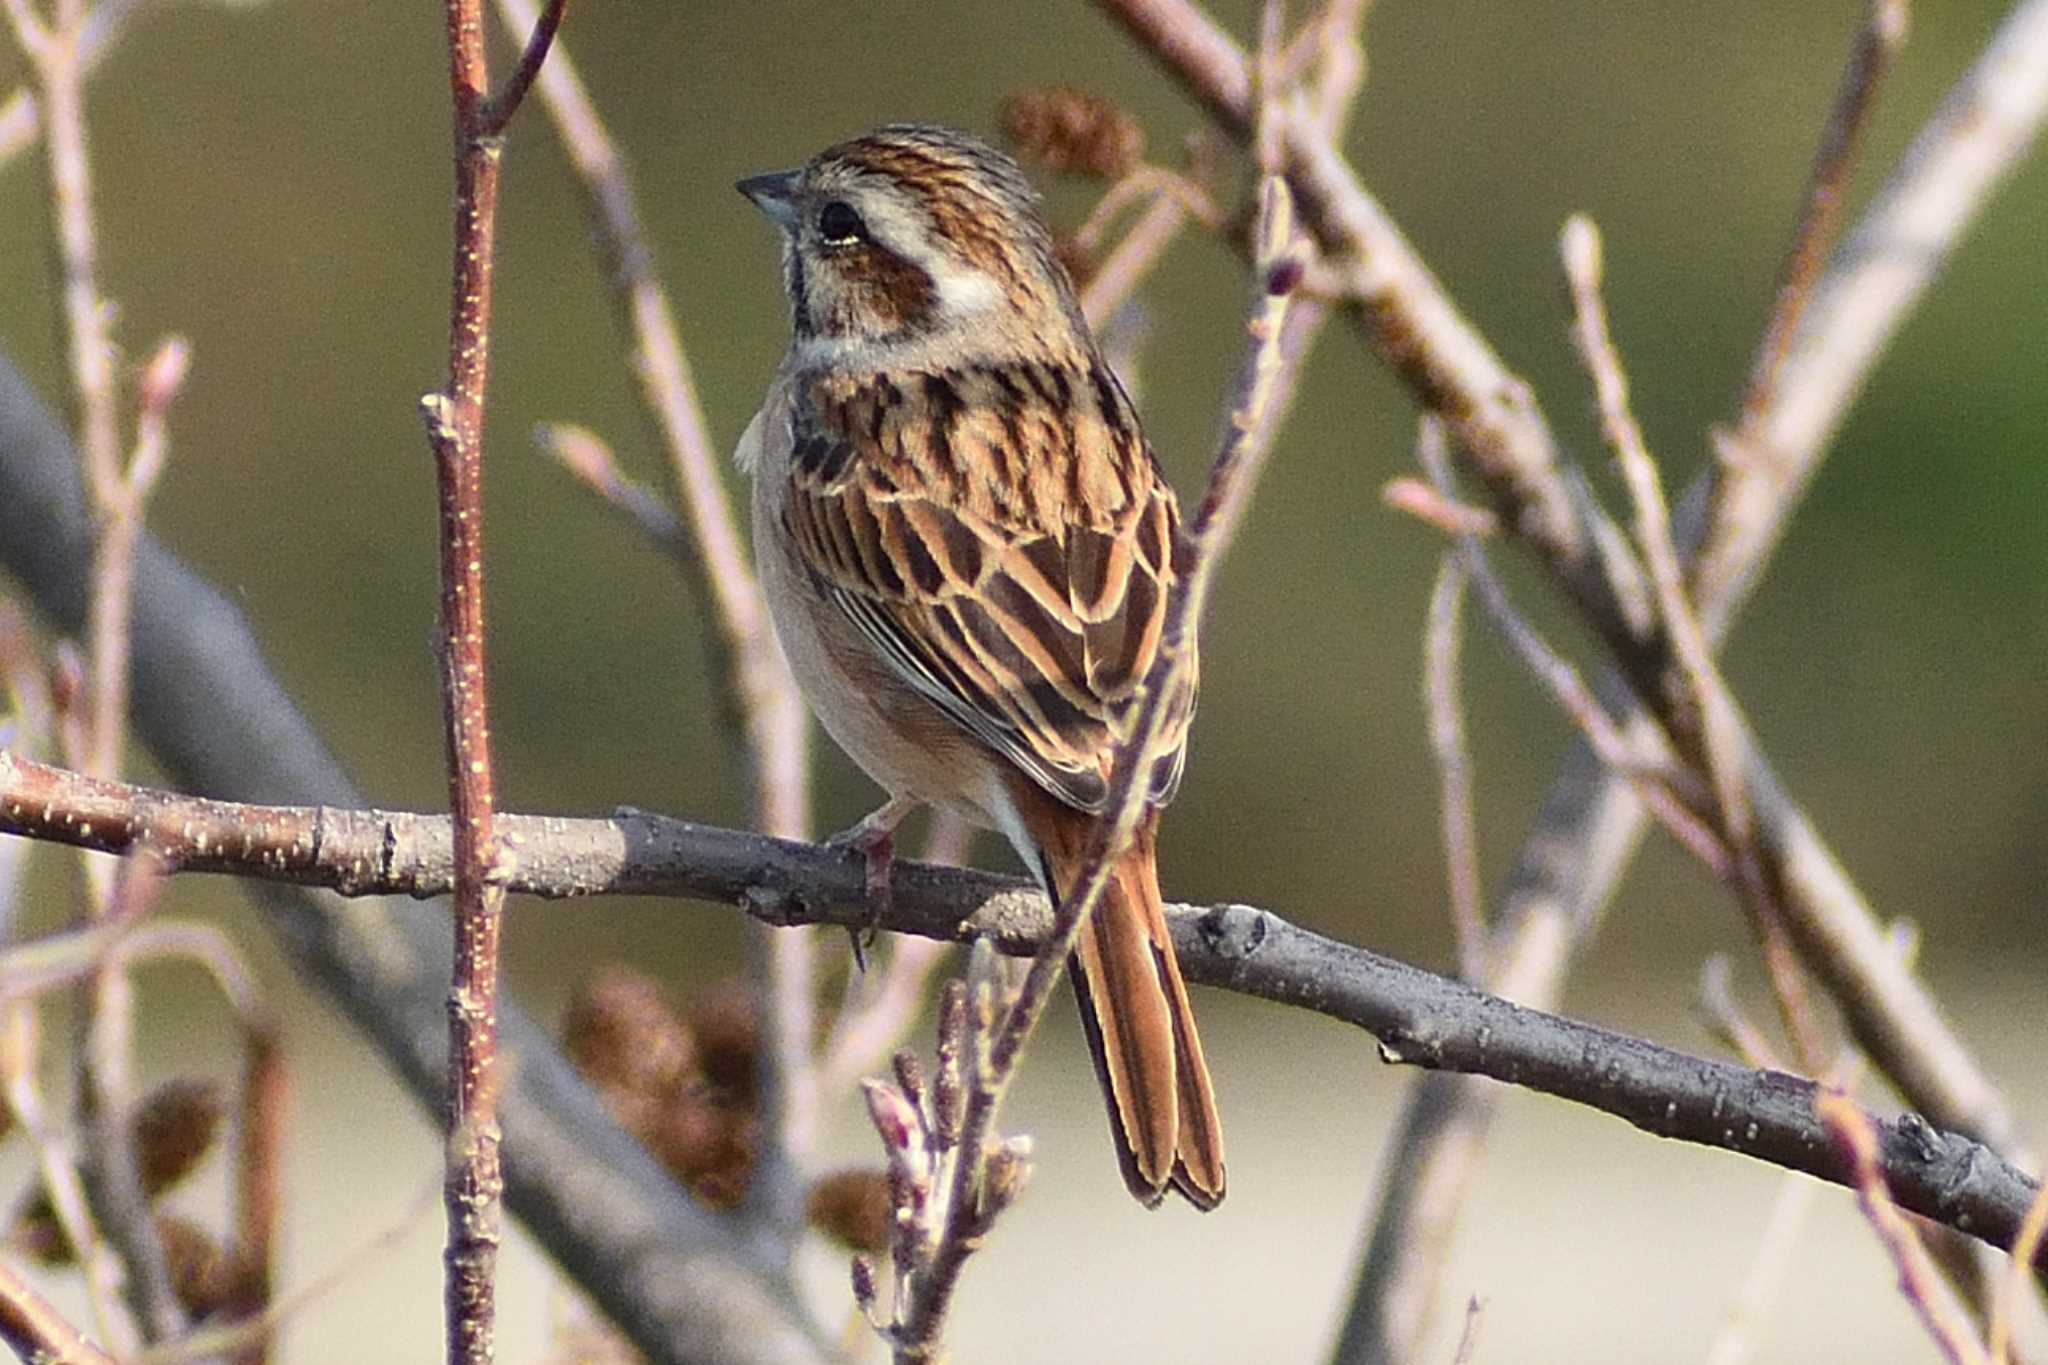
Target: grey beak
[{"x": 774, "y": 194}]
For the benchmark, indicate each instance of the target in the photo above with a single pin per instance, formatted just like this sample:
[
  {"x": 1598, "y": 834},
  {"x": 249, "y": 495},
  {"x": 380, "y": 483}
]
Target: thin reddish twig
[
  {"x": 2026, "y": 1249},
  {"x": 37, "y": 1331},
  {"x": 1930, "y": 1297},
  {"x": 259, "y": 1180},
  {"x": 1877, "y": 42},
  {"x": 508, "y": 99},
  {"x": 455, "y": 425}
]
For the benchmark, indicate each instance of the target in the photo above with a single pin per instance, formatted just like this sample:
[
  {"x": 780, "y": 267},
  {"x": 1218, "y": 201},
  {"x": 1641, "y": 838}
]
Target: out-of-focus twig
[
  {"x": 1440, "y": 691},
  {"x": 755, "y": 677},
  {"x": 1709, "y": 708},
  {"x": 1983, "y": 129},
  {"x": 118, "y": 492},
  {"x": 252, "y": 1334},
  {"x": 1931, "y": 1298},
  {"x": 2026, "y": 1249},
  {"x": 589, "y": 459},
  {"x": 259, "y": 1180},
  {"x": 1666, "y": 788},
  {"x": 1136, "y": 253},
  {"x": 1468, "y": 1339},
  {"x": 1424, "y": 502},
  {"x": 37, "y": 1331},
  {"x": 21, "y": 115},
  {"x": 1877, "y": 43},
  {"x": 20, "y": 1034}
]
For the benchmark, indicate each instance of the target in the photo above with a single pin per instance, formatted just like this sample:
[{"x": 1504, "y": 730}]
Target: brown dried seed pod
[
  {"x": 174, "y": 1128},
  {"x": 1065, "y": 129},
  {"x": 204, "y": 1277},
  {"x": 626, "y": 1039},
  {"x": 852, "y": 1208},
  {"x": 709, "y": 1147},
  {"x": 725, "y": 1016}
]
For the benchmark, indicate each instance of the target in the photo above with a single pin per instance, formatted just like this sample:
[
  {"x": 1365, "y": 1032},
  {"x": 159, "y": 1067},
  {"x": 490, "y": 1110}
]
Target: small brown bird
[{"x": 968, "y": 549}]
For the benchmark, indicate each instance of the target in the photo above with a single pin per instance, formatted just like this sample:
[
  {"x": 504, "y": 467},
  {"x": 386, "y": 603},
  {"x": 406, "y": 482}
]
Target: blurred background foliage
[{"x": 273, "y": 183}]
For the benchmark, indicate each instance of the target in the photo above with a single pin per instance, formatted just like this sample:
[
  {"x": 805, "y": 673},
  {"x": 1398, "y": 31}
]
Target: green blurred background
[{"x": 273, "y": 184}]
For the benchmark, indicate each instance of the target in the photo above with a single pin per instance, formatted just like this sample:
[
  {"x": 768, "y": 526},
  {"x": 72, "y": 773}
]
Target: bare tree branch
[{"x": 1418, "y": 1017}]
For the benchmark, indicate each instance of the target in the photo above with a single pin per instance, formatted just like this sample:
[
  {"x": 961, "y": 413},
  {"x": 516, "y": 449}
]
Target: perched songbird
[{"x": 968, "y": 549}]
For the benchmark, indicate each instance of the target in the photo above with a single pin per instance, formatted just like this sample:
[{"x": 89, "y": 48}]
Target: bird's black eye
[{"x": 840, "y": 225}]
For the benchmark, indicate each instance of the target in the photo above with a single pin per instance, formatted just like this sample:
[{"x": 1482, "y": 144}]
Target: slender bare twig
[
  {"x": 754, "y": 677},
  {"x": 1427, "y": 505},
  {"x": 1877, "y": 43},
  {"x": 1137, "y": 252},
  {"x": 19, "y": 1043},
  {"x": 1468, "y": 1339},
  {"x": 37, "y": 1331},
  {"x": 110, "y": 1168},
  {"x": 1666, "y": 789},
  {"x": 2026, "y": 1249},
  {"x": 106, "y": 1026},
  {"x": 259, "y": 1181},
  {"x": 1705, "y": 701},
  {"x": 1959, "y": 159},
  {"x": 1440, "y": 691},
  {"x": 21, "y": 116},
  {"x": 55, "y": 55},
  {"x": 589, "y": 459},
  {"x": 1725, "y": 1022},
  {"x": 455, "y": 426},
  {"x": 118, "y": 493},
  {"x": 1931, "y": 1298},
  {"x": 540, "y": 37}
]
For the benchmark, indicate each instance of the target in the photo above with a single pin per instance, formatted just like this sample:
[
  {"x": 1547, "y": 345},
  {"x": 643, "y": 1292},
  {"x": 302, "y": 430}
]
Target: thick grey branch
[{"x": 1417, "y": 1016}]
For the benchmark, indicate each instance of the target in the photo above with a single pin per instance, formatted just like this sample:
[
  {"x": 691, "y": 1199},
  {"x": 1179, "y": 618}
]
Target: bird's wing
[{"x": 1003, "y": 538}]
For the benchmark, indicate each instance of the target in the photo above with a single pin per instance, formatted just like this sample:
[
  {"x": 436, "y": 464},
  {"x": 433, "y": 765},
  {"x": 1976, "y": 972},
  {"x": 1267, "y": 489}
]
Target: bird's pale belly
[{"x": 897, "y": 736}]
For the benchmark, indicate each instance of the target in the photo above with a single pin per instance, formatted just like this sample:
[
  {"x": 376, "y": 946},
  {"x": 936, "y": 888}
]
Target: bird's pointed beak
[{"x": 774, "y": 194}]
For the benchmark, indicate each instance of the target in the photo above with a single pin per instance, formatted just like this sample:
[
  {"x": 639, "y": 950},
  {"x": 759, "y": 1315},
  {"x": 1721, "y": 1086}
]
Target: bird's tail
[{"x": 1134, "y": 1006}]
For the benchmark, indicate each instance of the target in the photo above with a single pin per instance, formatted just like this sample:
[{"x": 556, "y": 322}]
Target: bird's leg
[{"x": 874, "y": 838}]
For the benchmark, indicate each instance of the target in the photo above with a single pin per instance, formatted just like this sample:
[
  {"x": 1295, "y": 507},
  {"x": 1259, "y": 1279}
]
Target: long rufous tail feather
[{"x": 1140, "y": 1027}]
